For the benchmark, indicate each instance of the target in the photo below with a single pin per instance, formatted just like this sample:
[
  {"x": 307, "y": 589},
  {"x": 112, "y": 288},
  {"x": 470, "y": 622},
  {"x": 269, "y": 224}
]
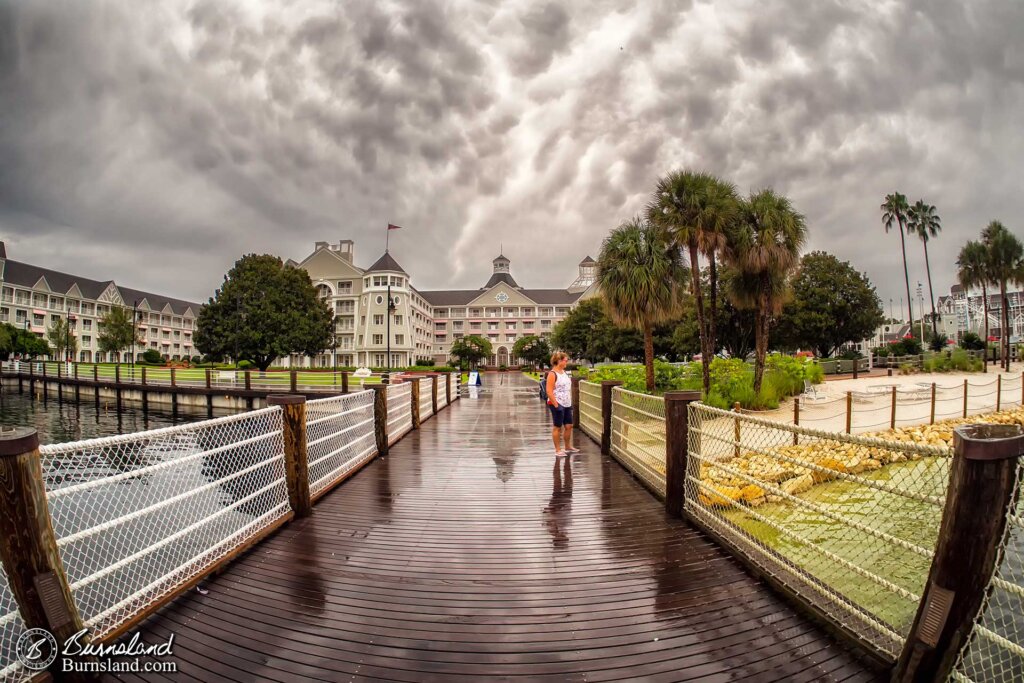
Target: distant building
[
  {"x": 967, "y": 312},
  {"x": 33, "y": 298},
  {"x": 425, "y": 323}
]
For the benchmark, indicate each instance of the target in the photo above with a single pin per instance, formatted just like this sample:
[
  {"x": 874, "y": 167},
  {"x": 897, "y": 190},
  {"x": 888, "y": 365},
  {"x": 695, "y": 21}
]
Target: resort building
[
  {"x": 423, "y": 324},
  {"x": 969, "y": 312},
  {"x": 35, "y": 298}
]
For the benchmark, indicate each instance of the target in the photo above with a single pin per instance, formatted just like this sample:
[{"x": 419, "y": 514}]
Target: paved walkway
[{"x": 469, "y": 554}]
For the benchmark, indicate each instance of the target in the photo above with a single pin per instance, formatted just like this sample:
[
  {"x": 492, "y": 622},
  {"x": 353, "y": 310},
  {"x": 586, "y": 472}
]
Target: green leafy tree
[
  {"x": 972, "y": 272},
  {"x": 471, "y": 349},
  {"x": 62, "y": 339},
  {"x": 766, "y": 248},
  {"x": 580, "y": 333},
  {"x": 152, "y": 356},
  {"x": 894, "y": 211},
  {"x": 926, "y": 224},
  {"x": 117, "y": 331},
  {"x": 699, "y": 211},
  {"x": 264, "y": 310},
  {"x": 1005, "y": 265},
  {"x": 831, "y": 304},
  {"x": 16, "y": 341},
  {"x": 639, "y": 275},
  {"x": 533, "y": 349}
]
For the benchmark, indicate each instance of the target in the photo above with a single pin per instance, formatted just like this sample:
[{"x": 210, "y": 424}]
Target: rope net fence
[
  {"x": 399, "y": 398},
  {"x": 426, "y": 399},
  {"x": 11, "y": 628},
  {"x": 339, "y": 438},
  {"x": 137, "y": 516},
  {"x": 847, "y": 523},
  {"x": 590, "y": 409},
  {"x": 638, "y": 435},
  {"x": 995, "y": 651}
]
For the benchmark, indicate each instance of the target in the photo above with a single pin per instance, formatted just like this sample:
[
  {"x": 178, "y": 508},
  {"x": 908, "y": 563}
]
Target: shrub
[
  {"x": 938, "y": 342},
  {"x": 425, "y": 362},
  {"x": 908, "y": 369},
  {"x": 246, "y": 365},
  {"x": 152, "y": 356},
  {"x": 971, "y": 342}
]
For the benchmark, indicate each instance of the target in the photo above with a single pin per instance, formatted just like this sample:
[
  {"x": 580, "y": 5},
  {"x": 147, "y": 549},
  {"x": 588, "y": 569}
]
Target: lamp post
[
  {"x": 135, "y": 328},
  {"x": 390, "y": 307},
  {"x": 69, "y": 323}
]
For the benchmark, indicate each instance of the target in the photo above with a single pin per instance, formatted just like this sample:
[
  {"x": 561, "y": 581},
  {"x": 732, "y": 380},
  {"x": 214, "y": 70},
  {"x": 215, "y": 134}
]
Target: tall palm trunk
[
  {"x": 760, "y": 338},
  {"x": 705, "y": 357},
  {"x": 1005, "y": 324},
  {"x": 984, "y": 308},
  {"x": 649, "y": 355},
  {"x": 713, "y": 319},
  {"x": 928, "y": 268},
  {"x": 906, "y": 278}
]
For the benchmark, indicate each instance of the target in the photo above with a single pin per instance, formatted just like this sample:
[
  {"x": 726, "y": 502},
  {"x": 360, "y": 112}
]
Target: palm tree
[
  {"x": 1005, "y": 264},
  {"x": 698, "y": 211},
  {"x": 639, "y": 273},
  {"x": 972, "y": 271},
  {"x": 925, "y": 223},
  {"x": 766, "y": 248},
  {"x": 894, "y": 210}
]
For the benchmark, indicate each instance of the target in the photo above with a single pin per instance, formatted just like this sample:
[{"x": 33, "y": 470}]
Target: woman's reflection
[{"x": 558, "y": 513}]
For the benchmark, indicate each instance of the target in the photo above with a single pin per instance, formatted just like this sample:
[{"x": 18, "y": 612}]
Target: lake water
[{"x": 62, "y": 421}]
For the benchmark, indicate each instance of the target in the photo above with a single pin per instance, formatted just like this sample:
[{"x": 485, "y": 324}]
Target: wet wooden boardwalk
[{"x": 469, "y": 554}]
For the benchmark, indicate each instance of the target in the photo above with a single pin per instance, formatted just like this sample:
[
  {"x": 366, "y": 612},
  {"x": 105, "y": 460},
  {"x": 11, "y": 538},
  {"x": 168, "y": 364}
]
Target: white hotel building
[
  {"x": 34, "y": 298},
  {"x": 425, "y": 323}
]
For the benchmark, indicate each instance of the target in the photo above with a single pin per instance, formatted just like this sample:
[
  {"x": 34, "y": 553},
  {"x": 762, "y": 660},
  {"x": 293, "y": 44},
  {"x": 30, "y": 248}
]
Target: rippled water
[{"x": 61, "y": 421}]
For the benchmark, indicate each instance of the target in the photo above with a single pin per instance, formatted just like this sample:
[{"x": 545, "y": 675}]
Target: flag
[{"x": 394, "y": 227}]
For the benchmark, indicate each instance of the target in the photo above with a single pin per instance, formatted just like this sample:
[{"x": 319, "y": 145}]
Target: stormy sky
[{"x": 154, "y": 143}]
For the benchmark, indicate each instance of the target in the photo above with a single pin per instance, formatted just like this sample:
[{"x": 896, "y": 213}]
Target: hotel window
[
  {"x": 441, "y": 313},
  {"x": 510, "y": 337},
  {"x": 345, "y": 287},
  {"x": 366, "y": 282},
  {"x": 177, "y": 322},
  {"x": 71, "y": 305},
  {"x": 440, "y": 327},
  {"x": 398, "y": 320},
  {"x": 510, "y": 326},
  {"x": 528, "y": 324},
  {"x": 86, "y": 340},
  {"x": 527, "y": 312},
  {"x": 458, "y": 312},
  {"x": 55, "y": 302},
  {"x": 475, "y": 313},
  {"x": 545, "y": 311},
  {"x": 378, "y": 319},
  {"x": 21, "y": 317},
  {"x": 86, "y": 324},
  {"x": 457, "y": 325},
  {"x": 475, "y": 326},
  {"x": 545, "y": 324},
  {"x": 378, "y": 339},
  {"x": 396, "y": 281},
  {"x": 457, "y": 335},
  {"x": 399, "y": 339},
  {"x": 37, "y": 320},
  {"x": 5, "y": 314},
  {"x": 562, "y": 311},
  {"x": 492, "y": 327},
  {"x": 492, "y": 337},
  {"x": 39, "y": 300},
  {"x": 8, "y": 294},
  {"x": 441, "y": 338},
  {"x": 380, "y": 280}
]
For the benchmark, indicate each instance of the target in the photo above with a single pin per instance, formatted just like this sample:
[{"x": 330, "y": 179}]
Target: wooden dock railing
[{"x": 99, "y": 534}]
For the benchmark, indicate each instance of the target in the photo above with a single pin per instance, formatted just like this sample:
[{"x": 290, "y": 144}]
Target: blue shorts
[{"x": 561, "y": 416}]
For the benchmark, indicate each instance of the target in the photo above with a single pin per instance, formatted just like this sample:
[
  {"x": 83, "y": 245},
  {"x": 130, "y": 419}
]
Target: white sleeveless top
[{"x": 563, "y": 389}]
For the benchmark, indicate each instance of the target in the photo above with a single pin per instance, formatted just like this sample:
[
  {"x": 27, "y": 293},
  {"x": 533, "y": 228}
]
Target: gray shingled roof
[
  {"x": 501, "y": 277},
  {"x": 588, "y": 261},
  {"x": 462, "y": 297},
  {"x": 27, "y": 275},
  {"x": 386, "y": 263}
]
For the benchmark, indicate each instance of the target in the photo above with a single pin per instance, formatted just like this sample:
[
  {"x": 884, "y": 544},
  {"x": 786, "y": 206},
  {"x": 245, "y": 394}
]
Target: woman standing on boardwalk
[{"x": 559, "y": 391}]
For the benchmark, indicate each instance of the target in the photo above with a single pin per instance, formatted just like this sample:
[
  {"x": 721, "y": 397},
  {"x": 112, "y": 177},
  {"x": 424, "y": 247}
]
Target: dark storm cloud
[{"x": 157, "y": 147}]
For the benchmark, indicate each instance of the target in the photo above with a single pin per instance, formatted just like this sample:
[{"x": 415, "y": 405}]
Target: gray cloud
[{"x": 157, "y": 147}]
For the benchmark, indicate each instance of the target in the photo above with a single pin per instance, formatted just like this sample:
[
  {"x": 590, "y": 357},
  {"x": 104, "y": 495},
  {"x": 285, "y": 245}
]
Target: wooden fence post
[
  {"x": 999, "y": 391},
  {"x": 736, "y": 430},
  {"x": 248, "y": 380},
  {"x": 677, "y": 428},
  {"x": 448, "y": 389},
  {"x": 982, "y": 483},
  {"x": 849, "y": 411},
  {"x": 174, "y": 381},
  {"x": 606, "y": 414},
  {"x": 296, "y": 459},
  {"x": 27, "y": 544},
  {"x": 294, "y": 376},
  {"x": 380, "y": 417},
  {"x": 892, "y": 415},
  {"x": 433, "y": 392},
  {"x": 117, "y": 373},
  {"x": 575, "y": 393},
  {"x": 965, "y": 398},
  {"x": 796, "y": 419},
  {"x": 344, "y": 382},
  {"x": 415, "y": 401},
  {"x": 856, "y": 367},
  {"x": 932, "y": 420}
]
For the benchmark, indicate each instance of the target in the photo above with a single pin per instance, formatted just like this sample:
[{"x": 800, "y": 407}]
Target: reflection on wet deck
[{"x": 469, "y": 553}]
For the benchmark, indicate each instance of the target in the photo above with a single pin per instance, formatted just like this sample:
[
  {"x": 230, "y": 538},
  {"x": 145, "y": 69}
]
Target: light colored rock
[{"x": 797, "y": 485}]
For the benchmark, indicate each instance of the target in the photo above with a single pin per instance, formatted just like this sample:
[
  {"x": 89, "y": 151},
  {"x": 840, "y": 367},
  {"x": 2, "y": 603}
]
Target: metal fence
[
  {"x": 11, "y": 628},
  {"x": 137, "y": 516},
  {"x": 399, "y": 398},
  {"x": 638, "y": 436},
  {"x": 426, "y": 398},
  {"x": 847, "y": 523},
  {"x": 995, "y": 651},
  {"x": 339, "y": 438},
  {"x": 590, "y": 410}
]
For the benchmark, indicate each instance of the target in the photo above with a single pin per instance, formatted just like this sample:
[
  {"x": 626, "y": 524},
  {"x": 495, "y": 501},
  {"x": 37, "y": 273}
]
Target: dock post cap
[
  {"x": 285, "y": 399},
  {"x": 17, "y": 440},
  {"x": 989, "y": 441},
  {"x": 682, "y": 395}
]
